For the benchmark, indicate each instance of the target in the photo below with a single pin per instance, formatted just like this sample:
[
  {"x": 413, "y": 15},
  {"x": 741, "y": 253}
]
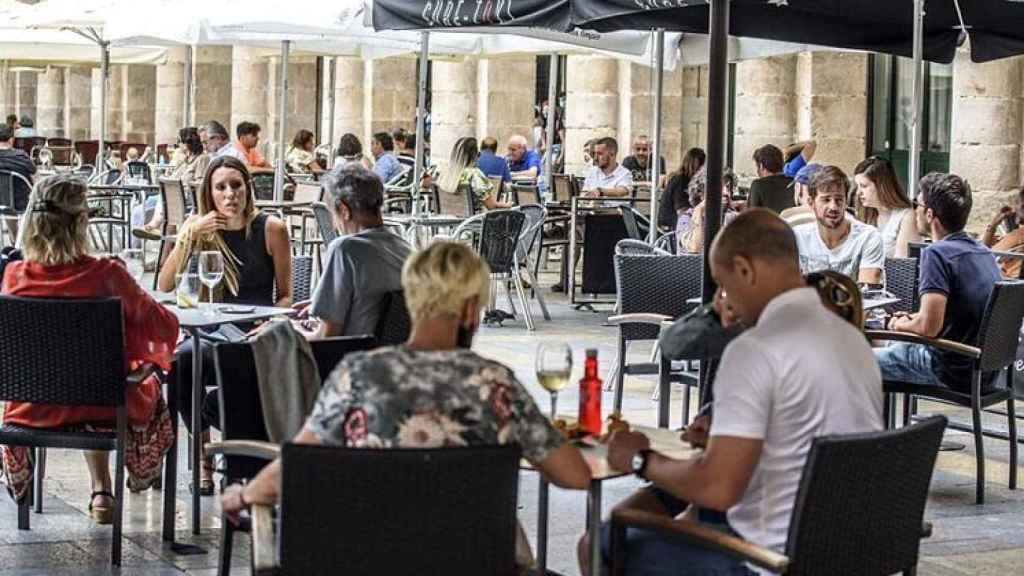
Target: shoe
[
  {"x": 145, "y": 233},
  {"x": 102, "y": 514}
]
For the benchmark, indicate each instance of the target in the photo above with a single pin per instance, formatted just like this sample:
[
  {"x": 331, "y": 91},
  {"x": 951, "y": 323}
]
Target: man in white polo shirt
[
  {"x": 799, "y": 372},
  {"x": 607, "y": 177}
]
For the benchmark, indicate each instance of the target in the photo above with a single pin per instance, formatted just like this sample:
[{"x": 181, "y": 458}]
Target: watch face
[{"x": 638, "y": 462}]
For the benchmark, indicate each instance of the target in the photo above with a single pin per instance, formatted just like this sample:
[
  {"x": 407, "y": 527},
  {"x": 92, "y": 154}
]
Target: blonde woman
[
  {"x": 57, "y": 264},
  {"x": 463, "y": 171},
  {"x": 257, "y": 261},
  {"x": 432, "y": 391}
]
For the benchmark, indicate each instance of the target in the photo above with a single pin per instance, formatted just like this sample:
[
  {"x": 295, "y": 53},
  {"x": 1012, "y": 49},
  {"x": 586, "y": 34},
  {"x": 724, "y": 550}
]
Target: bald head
[{"x": 757, "y": 235}]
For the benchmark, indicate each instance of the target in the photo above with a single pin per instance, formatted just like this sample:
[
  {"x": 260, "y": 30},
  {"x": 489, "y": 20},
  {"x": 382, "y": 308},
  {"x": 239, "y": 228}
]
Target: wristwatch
[{"x": 640, "y": 462}]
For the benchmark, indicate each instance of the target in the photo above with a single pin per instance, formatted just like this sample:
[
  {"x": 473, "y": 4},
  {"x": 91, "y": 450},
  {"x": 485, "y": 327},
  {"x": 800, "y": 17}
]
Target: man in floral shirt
[{"x": 433, "y": 391}]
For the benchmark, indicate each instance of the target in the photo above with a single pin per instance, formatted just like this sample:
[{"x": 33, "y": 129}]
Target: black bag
[
  {"x": 697, "y": 335},
  {"x": 8, "y": 254}
]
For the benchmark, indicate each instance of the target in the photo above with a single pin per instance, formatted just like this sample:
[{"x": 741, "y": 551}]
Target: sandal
[{"x": 101, "y": 514}]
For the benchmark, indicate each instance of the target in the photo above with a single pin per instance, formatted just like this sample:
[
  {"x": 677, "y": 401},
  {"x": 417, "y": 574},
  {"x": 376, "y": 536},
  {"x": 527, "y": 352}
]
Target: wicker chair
[
  {"x": 636, "y": 224},
  {"x": 390, "y": 511},
  {"x": 524, "y": 194},
  {"x": 302, "y": 277},
  {"x": 901, "y": 281},
  {"x": 8, "y": 212},
  {"x": 995, "y": 350},
  {"x": 394, "y": 324},
  {"x": 68, "y": 353},
  {"x": 459, "y": 204},
  {"x": 859, "y": 509},
  {"x": 241, "y": 412},
  {"x": 652, "y": 288},
  {"x": 563, "y": 186},
  {"x": 138, "y": 169},
  {"x": 497, "y": 245}
]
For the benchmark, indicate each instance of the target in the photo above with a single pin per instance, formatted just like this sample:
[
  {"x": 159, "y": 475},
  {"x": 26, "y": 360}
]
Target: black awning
[{"x": 441, "y": 14}]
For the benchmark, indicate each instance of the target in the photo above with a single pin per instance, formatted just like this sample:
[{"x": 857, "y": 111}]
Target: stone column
[
  {"x": 694, "y": 107},
  {"x": 986, "y": 131},
  {"x": 170, "y": 96},
  {"x": 249, "y": 93},
  {"x": 454, "y": 111},
  {"x": 115, "y": 102},
  {"x": 348, "y": 99},
  {"x": 636, "y": 101},
  {"x": 592, "y": 105},
  {"x": 506, "y": 96},
  {"x": 212, "y": 76},
  {"x": 832, "y": 105},
  {"x": 302, "y": 82},
  {"x": 138, "y": 122},
  {"x": 25, "y": 93},
  {"x": 765, "y": 108},
  {"x": 78, "y": 102},
  {"x": 392, "y": 96},
  {"x": 50, "y": 102}
]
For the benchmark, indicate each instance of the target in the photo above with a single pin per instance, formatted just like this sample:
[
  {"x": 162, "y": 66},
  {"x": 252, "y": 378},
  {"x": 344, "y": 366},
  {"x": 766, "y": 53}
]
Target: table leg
[
  {"x": 197, "y": 425},
  {"x": 594, "y": 526},
  {"x": 542, "y": 526},
  {"x": 664, "y": 390},
  {"x": 171, "y": 466}
]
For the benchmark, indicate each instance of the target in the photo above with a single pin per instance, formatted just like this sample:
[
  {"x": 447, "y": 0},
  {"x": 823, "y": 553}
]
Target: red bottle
[{"x": 590, "y": 396}]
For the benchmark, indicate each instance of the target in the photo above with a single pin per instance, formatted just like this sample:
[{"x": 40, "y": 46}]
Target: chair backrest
[
  {"x": 630, "y": 221},
  {"x": 62, "y": 351},
  {"x": 324, "y": 223},
  {"x": 901, "y": 282},
  {"x": 110, "y": 177},
  {"x": 563, "y": 188},
  {"x": 173, "y": 196},
  {"x": 85, "y": 171},
  {"x": 457, "y": 204},
  {"x": 138, "y": 169},
  {"x": 999, "y": 333},
  {"x": 308, "y": 192},
  {"x": 634, "y": 247},
  {"x": 9, "y": 181},
  {"x": 241, "y": 411},
  {"x": 124, "y": 146},
  {"x": 525, "y": 194},
  {"x": 395, "y": 323},
  {"x": 51, "y": 142},
  {"x": 61, "y": 155},
  {"x": 499, "y": 238},
  {"x": 87, "y": 150},
  {"x": 263, "y": 184},
  {"x": 398, "y": 511},
  {"x": 499, "y": 187},
  {"x": 860, "y": 505},
  {"x": 656, "y": 284},
  {"x": 840, "y": 294},
  {"x": 302, "y": 277},
  {"x": 532, "y": 228}
]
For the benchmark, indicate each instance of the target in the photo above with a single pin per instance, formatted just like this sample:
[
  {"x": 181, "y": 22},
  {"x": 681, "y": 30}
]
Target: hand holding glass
[{"x": 554, "y": 366}]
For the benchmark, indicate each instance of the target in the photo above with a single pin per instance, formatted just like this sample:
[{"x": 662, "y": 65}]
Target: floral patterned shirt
[
  {"x": 478, "y": 182},
  {"x": 397, "y": 397}
]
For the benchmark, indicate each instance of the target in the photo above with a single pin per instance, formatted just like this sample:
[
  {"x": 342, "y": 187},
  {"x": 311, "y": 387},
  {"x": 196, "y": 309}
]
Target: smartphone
[{"x": 238, "y": 309}]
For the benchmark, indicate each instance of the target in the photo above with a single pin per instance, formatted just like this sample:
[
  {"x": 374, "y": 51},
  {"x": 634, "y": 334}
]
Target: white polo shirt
[
  {"x": 800, "y": 373},
  {"x": 619, "y": 178}
]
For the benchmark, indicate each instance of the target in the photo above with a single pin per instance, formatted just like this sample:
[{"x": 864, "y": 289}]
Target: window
[{"x": 891, "y": 109}]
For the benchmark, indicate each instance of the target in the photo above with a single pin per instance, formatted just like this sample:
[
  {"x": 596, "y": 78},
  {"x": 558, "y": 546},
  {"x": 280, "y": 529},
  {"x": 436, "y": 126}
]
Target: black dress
[
  {"x": 256, "y": 267},
  {"x": 676, "y": 197}
]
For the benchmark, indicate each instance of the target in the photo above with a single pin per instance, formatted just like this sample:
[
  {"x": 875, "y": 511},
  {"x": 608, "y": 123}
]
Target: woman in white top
[{"x": 886, "y": 206}]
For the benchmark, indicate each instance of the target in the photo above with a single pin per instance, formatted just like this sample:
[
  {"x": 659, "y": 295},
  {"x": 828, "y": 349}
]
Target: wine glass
[
  {"x": 187, "y": 293},
  {"x": 135, "y": 263},
  {"x": 211, "y": 270},
  {"x": 554, "y": 365}
]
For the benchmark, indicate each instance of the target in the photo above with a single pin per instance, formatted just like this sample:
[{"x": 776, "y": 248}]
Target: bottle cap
[{"x": 591, "y": 352}]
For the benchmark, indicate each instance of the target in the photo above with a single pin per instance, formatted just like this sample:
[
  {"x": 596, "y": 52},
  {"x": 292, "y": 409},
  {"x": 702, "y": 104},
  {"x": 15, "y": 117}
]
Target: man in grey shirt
[{"x": 363, "y": 265}]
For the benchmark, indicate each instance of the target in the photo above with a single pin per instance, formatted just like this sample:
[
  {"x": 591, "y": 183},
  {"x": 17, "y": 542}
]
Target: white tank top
[{"x": 891, "y": 231}]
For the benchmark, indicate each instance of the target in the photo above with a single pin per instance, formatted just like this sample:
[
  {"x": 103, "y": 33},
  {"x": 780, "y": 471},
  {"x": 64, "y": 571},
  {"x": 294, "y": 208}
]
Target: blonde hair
[
  {"x": 440, "y": 279},
  {"x": 58, "y": 222}
]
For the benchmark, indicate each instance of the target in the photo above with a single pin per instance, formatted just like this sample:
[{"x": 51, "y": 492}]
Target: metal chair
[
  {"x": 563, "y": 188},
  {"x": 497, "y": 245},
  {"x": 302, "y": 277},
  {"x": 636, "y": 224},
  {"x": 536, "y": 215},
  {"x": 69, "y": 353},
  {"x": 652, "y": 288},
  {"x": 263, "y": 184},
  {"x": 901, "y": 282},
  {"x": 241, "y": 411},
  {"x": 995, "y": 350},
  {"x": 9, "y": 213},
  {"x": 110, "y": 177},
  {"x": 51, "y": 142},
  {"x": 859, "y": 509},
  {"x": 524, "y": 194},
  {"x": 172, "y": 194},
  {"x": 62, "y": 156},
  {"x": 87, "y": 151},
  {"x": 324, "y": 223},
  {"x": 394, "y": 324},
  {"x": 459, "y": 204},
  {"x": 138, "y": 169},
  {"x": 390, "y": 511}
]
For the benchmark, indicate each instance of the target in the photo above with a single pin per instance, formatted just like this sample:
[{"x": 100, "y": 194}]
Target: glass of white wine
[
  {"x": 211, "y": 271},
  {"x": 554, "y": 365}
]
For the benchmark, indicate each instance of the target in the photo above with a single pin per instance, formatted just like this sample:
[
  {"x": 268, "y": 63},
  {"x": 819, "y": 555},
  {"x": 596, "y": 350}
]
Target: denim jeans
[
  {"x": 910, "y": 363},
  {"x": 649, "y": 554}
]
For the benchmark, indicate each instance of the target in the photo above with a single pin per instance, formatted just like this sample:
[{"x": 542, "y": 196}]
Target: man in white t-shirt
[
  {"x": 607, "y": 177},
  {"x": 799, "y": 372},
  {"x": 837, "y": 241}
]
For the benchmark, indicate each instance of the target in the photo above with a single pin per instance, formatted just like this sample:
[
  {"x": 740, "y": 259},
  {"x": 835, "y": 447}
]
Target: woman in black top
[{"x": 676, "y": 198}]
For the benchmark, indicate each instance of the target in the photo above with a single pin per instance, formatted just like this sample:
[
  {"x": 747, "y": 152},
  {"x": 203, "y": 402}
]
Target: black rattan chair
[
  {"x": 9, "y": 182},
  {"x": 995, "y": 350},
  {"x": 241, "y": 411},
  {"x": 302, "y": 277},
  {"x": 652, "y": 288},
  {"x": 324, "y": 223},
  {"x": 393, "y": 511},
  {"x": 68, "y": 353},
  {"x": 901, "y": 282},
  {"x": 394, "y": 324},
  {"x": 498, "y": 242},
  {"x": 859, "y": 509},
  {"x": 138, "y": 169},
  {"x": 636, "y": 225}
]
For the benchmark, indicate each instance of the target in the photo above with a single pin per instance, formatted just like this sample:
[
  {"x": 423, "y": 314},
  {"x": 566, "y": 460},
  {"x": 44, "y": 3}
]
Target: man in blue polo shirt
[
  {"x": 956, "y": 279},
  {"x": 797, "y": 156},
  {"x": 522, "y": 162},
  {"x": 492, "y": 165}
]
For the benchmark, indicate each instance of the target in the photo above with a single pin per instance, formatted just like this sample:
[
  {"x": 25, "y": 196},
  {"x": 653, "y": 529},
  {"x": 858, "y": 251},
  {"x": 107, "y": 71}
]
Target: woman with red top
[{"x": 57, "y": 264}]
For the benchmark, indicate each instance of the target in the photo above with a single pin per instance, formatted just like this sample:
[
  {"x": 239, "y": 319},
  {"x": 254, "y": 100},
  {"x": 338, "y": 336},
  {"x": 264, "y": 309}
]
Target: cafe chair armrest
[
  {"x": 693, "y": 533},
  {"x": 137, "y": 376},
  {"x": 264, "y": 556},
  {"x": 947, "y": 345},
  {"x": 639, "y": 318},
  {"x": 251, "y": 448}
]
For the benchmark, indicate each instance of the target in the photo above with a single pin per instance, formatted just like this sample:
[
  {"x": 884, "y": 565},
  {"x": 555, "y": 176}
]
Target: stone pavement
[{"x": 968, "y": 539}]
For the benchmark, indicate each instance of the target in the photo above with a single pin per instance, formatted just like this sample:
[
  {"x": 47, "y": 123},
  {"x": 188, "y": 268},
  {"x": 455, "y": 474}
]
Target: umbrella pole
[
  {"x": 282, "y": 123},
  {"x": 421, "y": 112},
  {"x": 718, "y": 76},
  {"x": 659, "y": 84},
  {"x": 186, "y": 115},
  {"x": 332, "y": 71},
  {"x": 549, "y": 158},
  {"x": 914, "y": 166},
  {"x": 104, "y": 72}
]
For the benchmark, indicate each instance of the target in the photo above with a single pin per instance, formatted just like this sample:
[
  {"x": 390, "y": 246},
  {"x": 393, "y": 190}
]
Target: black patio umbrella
[{"x": 451, "y": 14}]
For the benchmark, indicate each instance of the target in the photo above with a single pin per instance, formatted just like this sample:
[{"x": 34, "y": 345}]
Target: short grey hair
[
  {"x": 356, "y": 187},
  {"x": 214, "y": 128}
]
